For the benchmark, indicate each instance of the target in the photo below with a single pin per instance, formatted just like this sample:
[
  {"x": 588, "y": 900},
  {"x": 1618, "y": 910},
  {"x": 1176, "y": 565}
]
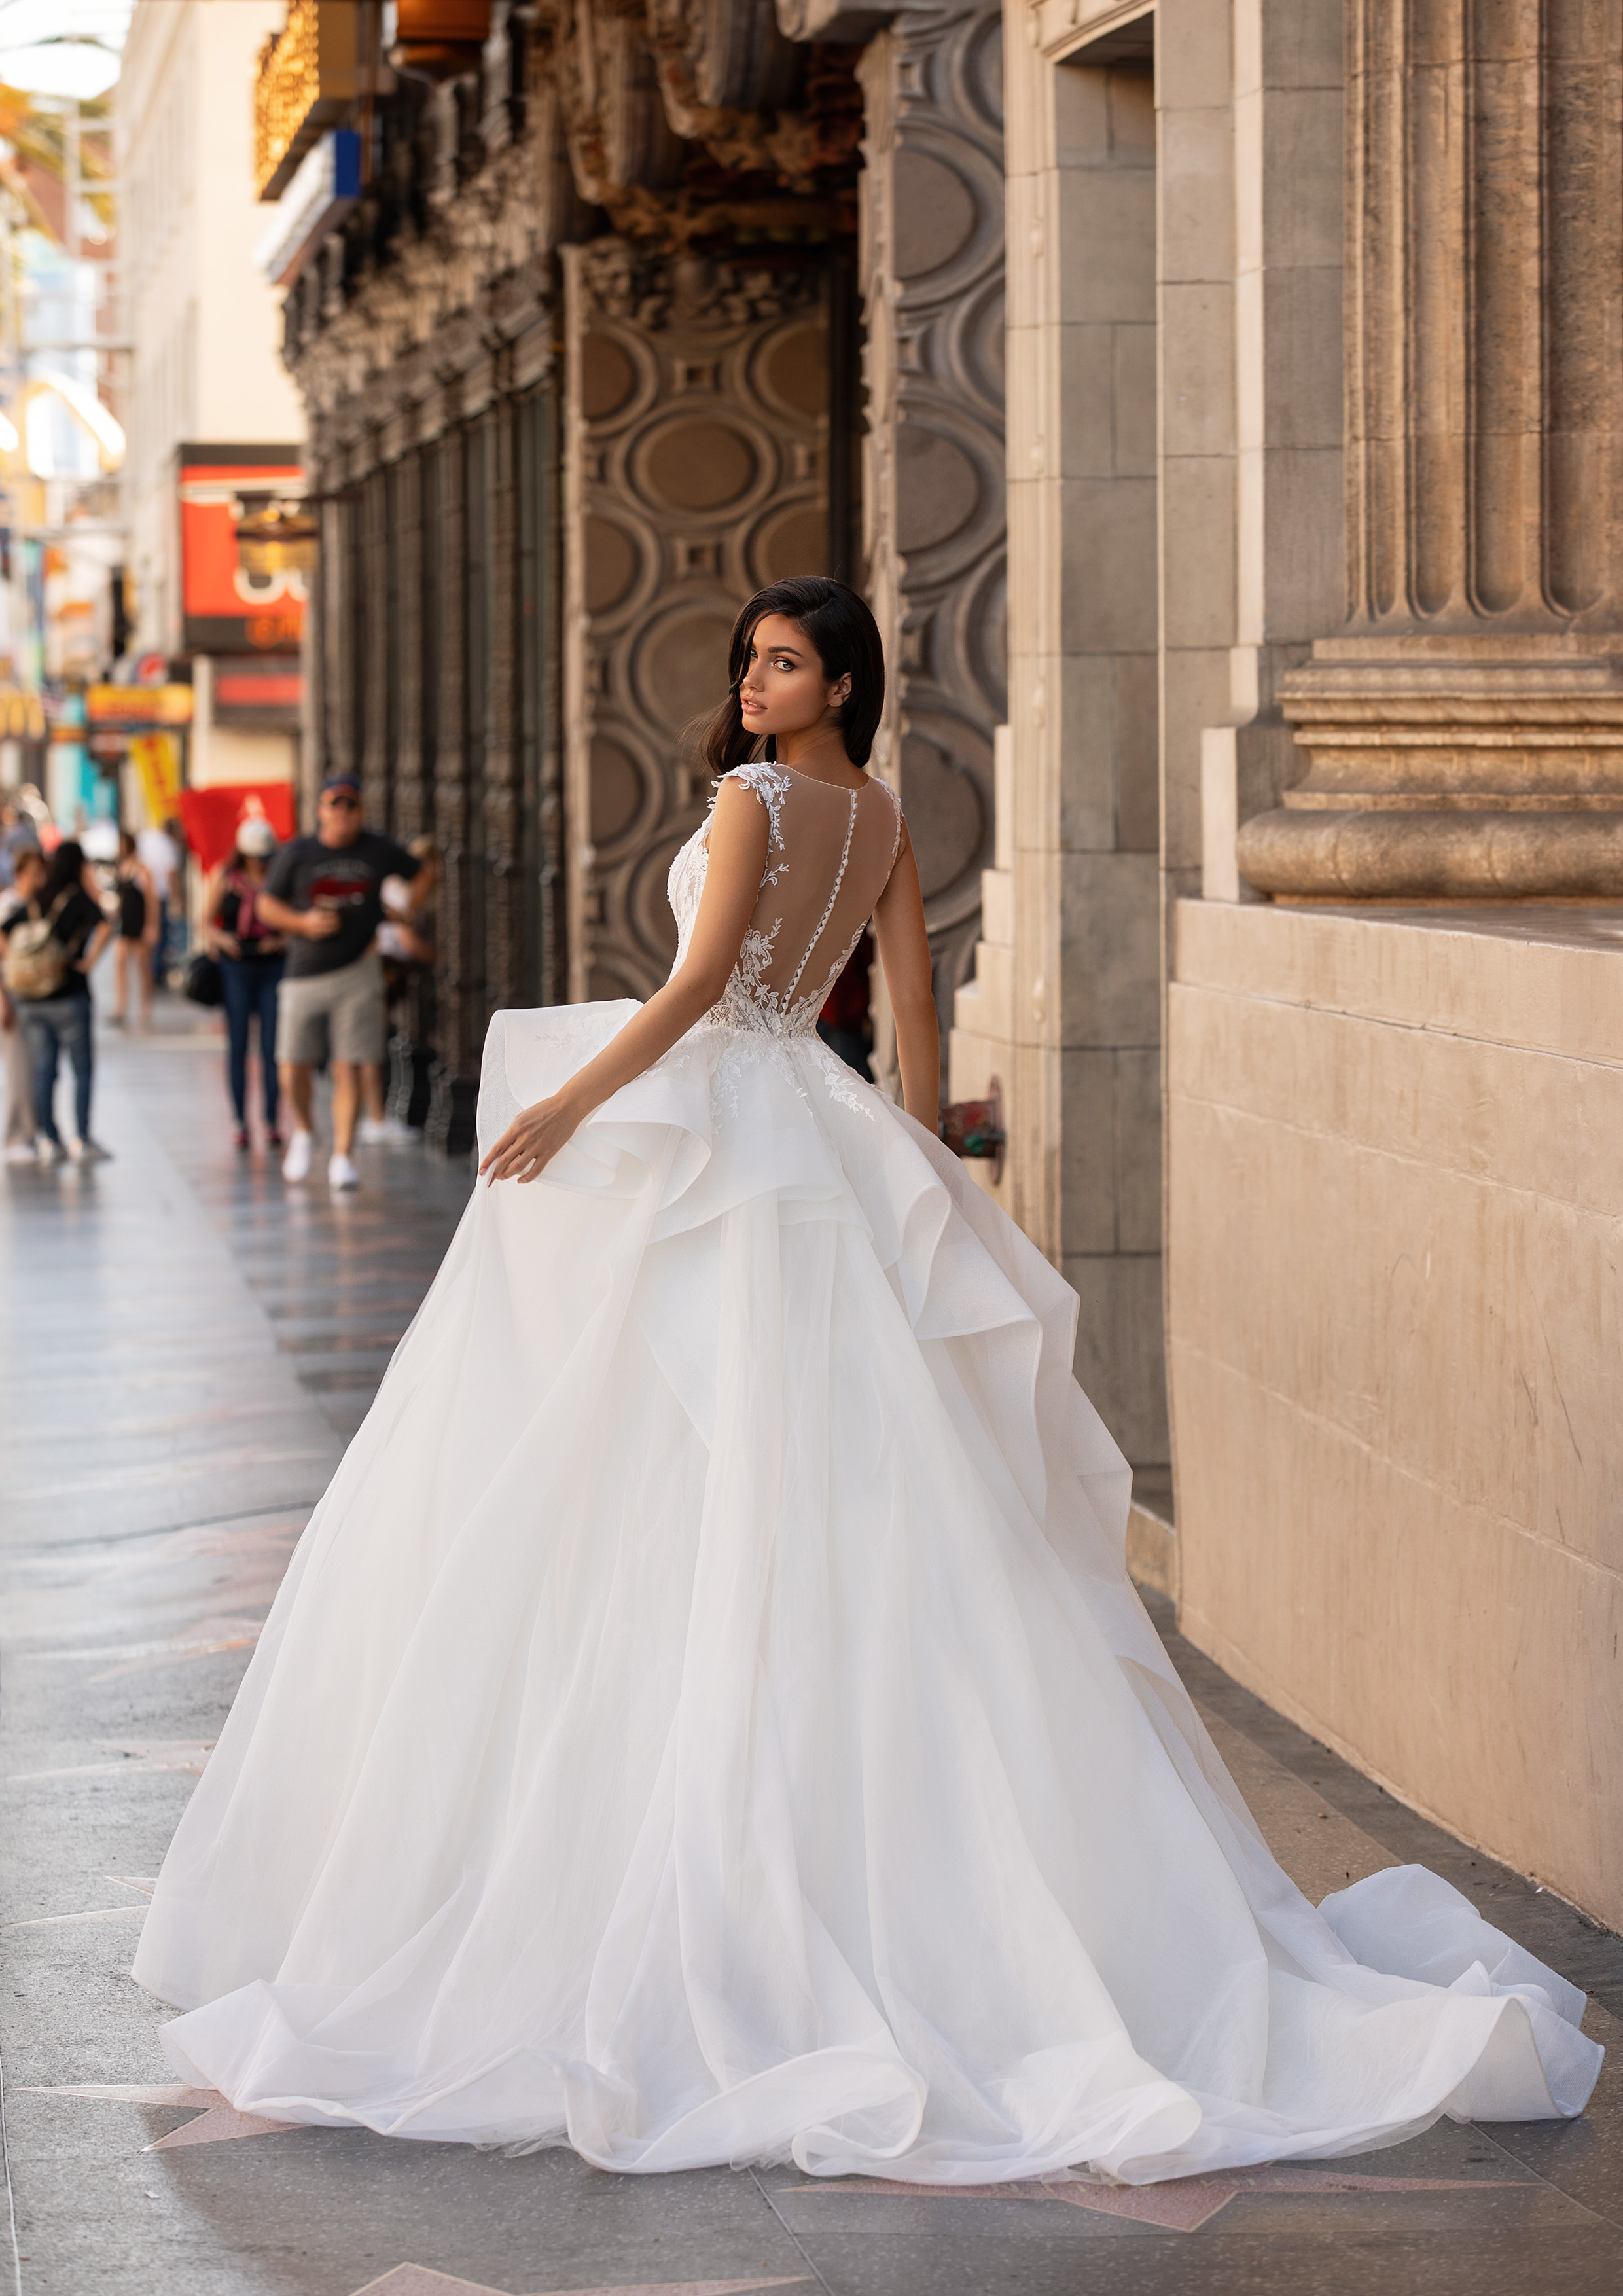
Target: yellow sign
[
  {"x": 156, "y": 758},
  {"x": 22, "y": 715},
  {"x": 309, "y": 73},
  {"x": 138, "y": 705}
]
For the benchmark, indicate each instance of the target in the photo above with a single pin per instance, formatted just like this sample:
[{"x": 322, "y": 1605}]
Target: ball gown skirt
[{"x": 708, "y": 1718}]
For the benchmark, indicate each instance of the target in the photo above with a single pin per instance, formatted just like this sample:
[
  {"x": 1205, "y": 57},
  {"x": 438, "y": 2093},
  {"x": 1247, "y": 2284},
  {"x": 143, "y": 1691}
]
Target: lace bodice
[{"x": 830, "y": 852}]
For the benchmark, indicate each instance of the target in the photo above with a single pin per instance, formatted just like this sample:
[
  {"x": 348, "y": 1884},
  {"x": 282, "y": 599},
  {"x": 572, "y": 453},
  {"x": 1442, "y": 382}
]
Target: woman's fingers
[
  {"x": 527, "y": 1147},
  {"x": 503, "y": 1146}
]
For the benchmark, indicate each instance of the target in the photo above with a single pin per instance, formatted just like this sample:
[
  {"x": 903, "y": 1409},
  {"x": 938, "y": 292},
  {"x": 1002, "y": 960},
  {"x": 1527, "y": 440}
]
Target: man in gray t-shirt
[{"x": 325, "y": 893}]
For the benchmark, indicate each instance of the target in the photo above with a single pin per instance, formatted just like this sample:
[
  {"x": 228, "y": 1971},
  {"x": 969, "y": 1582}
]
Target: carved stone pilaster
[
  {"x": 503, "y": 966},
  {"x": 932, "y": 275},
  {"x": 1465, "y": 731},
  {"x": 338, "y": 626},
  {"x": 694, "y": 461},
  {"x": 376, "y": 576},
  {"x": 413, "y": 798},
  {"x": 459, "y": 1015}
]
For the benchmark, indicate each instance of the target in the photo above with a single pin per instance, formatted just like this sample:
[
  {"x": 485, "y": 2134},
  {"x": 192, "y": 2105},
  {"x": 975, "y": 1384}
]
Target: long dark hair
[
  {"x": 67, "y": 870},
  {"x": 838, "y": 623}
]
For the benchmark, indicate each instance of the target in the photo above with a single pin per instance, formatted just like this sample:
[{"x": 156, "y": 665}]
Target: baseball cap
[
  {"x": 256, "y": 835},
  {"x": 341, "y": 781}
]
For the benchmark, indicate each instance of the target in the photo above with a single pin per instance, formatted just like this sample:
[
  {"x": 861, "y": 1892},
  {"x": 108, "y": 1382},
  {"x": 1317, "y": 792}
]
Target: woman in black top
[
  {"x": 249, "y": 958},
  {"x": 60, "y": 1022},
  {"x": 132, "y": 957}
]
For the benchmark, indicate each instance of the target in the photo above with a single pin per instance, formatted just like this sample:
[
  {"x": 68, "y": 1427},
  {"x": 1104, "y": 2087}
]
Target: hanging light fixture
[{"x": 277, "y": 536}]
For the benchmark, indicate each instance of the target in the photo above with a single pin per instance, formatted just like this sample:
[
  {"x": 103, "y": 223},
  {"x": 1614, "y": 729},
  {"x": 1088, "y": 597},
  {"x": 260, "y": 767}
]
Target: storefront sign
[
  {"x": 211, "y": 818},
  {"x": 309, "y": 74},
  {"x": 323, "y": 192},
  {"x": 156, "y": 758},
  {"x": 226, "y": 609},
  {"x": 114, "y": 707}
]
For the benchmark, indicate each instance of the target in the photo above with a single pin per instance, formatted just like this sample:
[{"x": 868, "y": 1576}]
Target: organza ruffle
[{"x": 708, "y": 1718}]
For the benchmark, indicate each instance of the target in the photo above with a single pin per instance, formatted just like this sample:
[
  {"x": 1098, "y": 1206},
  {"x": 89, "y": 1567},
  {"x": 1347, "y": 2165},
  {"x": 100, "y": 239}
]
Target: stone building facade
[
  {"x": 1268, "y": 807},
  {"x": 640, "y": 308}
]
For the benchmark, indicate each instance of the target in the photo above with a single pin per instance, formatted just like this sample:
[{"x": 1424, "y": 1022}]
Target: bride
[{"x": 708, "y": 1718}]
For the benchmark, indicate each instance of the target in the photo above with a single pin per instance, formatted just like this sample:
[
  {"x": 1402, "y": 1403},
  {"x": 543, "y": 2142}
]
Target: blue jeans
[
  {"x": 57, "y": 1025},
  {"x": 249, "y": 984}
]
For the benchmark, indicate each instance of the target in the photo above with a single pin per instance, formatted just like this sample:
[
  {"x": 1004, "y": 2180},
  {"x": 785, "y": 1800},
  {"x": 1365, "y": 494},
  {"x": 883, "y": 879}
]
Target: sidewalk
[{"x": 185, "y": 1345}]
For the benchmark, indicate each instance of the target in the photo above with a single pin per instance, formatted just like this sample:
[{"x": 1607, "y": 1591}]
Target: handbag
[
  {"x": 36, "y": 962},
  {"x": 203, "y": 983}
]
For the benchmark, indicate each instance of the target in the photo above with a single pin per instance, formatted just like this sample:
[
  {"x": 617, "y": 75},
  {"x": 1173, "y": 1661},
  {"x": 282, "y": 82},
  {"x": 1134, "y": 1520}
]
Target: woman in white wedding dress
[{"x": 708, "y": 1718}]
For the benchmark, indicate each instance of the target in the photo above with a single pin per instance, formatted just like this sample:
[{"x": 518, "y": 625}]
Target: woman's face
[{"x": 783, "y": 689}]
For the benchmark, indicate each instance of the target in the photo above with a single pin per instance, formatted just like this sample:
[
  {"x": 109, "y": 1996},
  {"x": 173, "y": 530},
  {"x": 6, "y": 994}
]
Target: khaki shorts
[{"x": 336, "y": 1016}]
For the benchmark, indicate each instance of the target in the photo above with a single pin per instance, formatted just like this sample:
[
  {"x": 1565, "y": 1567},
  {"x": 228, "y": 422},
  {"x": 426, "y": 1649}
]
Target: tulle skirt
[{"x": 708, "y": 1718}]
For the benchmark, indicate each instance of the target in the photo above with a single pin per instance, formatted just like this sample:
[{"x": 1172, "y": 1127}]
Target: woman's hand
[
  {"x": 532, "y": 1140},
  {"x": 225, "y": 944}
]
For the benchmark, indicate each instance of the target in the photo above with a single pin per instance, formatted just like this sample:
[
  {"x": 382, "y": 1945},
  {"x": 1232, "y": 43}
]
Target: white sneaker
[
  {"x": 296, "y": 1163},
  {"x": 341, "y": 1173},
  {"x": 45, "y": 1150},
  {"x": 22, "y": 1151},
  {"x": 388, "y": 1131},
  {"x": 88, "y": 1152}
]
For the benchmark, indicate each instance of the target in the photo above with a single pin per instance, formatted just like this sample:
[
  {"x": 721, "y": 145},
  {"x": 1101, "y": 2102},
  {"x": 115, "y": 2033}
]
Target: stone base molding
[
  {"x": 1434, "y": 856},
  {"x": 1488, "y": 768}
]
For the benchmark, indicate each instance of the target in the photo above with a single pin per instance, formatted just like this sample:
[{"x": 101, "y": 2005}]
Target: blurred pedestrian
[
  {"x": 137, "y": 934},
  {"x": 325, "y": 893},
  {"x": 162, "y": 854},
  {"x": 250, "y": 957},
  {"x": 17, "y": 836},
  {"x": 47, "y": 976},
  {"x": 29, "y": 877},
  {"x": 402, "y": 947}
]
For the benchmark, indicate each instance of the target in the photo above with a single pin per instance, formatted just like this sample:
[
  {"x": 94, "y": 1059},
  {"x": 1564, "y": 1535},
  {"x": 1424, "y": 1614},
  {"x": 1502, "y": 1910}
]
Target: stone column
[
  {"x": 503, "y": 917},
  {"x": 459, "y": 1019},
  {"x": 931, "y": 209},
  {"x": 412, "y": 809},
  {"x": 371, "y": 623},
  {"x": 1465, "y": 732}
]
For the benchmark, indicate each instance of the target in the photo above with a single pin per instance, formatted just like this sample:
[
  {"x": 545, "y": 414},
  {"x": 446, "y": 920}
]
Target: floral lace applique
[
  {"x": 771, "y": 785},
  {"x": 844, "y": 1085}
]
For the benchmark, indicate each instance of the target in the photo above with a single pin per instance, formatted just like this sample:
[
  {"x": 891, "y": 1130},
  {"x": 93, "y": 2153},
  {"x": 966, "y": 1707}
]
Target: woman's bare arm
[
  {"x": 904, "y": 951},
  {"x": 738, "y": 855}
]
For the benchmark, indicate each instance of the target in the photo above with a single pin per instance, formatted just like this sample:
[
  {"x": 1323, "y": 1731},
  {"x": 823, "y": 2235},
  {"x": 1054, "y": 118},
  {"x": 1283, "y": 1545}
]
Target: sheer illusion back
[{"x": 830, "y": 852}]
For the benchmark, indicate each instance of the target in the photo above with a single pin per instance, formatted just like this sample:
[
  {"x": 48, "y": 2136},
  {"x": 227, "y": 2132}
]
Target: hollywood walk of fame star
[
  {"x": 217, "y": 2123},
  {"x": 417, "y": 2280},
  {"x": 1180, "y": 2204}
]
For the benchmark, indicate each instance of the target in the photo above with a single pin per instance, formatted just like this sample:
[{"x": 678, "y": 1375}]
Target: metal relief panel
[
  {"x": 695, "y": 461},
  {"x": 932, "y": 272}
]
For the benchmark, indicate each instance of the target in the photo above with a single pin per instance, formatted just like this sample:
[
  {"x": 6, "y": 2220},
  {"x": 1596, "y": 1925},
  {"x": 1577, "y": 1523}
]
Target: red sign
[
  {"x": 224, "y": 608},
  {"x": 211, "y": 818}
]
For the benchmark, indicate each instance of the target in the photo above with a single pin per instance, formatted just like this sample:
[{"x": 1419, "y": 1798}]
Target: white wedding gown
[{"x": 708, "y": 1718}]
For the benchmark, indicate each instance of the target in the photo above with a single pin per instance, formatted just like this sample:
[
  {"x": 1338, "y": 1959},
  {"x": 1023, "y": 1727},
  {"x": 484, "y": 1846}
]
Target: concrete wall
[{"x": 1395, "y": 1231}]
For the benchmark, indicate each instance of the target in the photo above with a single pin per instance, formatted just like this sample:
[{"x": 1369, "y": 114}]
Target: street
[{"x": 187, "y": 1345}]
